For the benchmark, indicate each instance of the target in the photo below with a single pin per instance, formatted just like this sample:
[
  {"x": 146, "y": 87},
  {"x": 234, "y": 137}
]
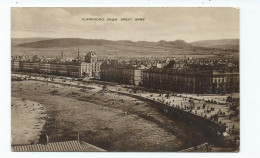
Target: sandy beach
[
  {"x": 27, "y": 121},
  {"x": 107, "y": 120}
]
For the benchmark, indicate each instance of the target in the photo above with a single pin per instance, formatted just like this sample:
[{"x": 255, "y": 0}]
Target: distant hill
[
  {"x": 223, "y": 43},
  {"x": 71, "y": 42},
  {"x": 52, "y": 47},
  {"x": 64, "y": 42},
  {"x": 17, "y": 41}
]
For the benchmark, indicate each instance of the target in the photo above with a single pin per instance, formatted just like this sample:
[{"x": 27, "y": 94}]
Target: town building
[
  {"x": 92, "y": 65},
  {"x": 191, "y": 81},
  {"x": 121, "y": 73},
  {"x": 225, "y": 82},
  {"x": 89, "y": 67},
  {"x": 15, "y": 65},
  {"x": 184, "y": 81}
]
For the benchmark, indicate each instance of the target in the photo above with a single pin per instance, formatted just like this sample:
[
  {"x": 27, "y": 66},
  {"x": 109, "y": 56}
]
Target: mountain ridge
[
  {"x": 59, "y": 42},
  {"x": 38, "y": 42},
  {"x": 222, "y": 43},
  {"x": 52, "y": 47}
]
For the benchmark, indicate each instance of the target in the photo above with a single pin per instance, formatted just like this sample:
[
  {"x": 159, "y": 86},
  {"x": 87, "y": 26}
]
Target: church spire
[{"x": 78, "y": 53}]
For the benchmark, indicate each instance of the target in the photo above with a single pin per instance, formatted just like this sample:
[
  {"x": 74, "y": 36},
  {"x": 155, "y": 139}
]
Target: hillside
[
  {"x": 71, "y": 42},
  {"x": 17, "y": 41},
  {"x": 64, "y": 42},
  {"x": 223, "y": 43},
  {"x": 53, "y": 47}
]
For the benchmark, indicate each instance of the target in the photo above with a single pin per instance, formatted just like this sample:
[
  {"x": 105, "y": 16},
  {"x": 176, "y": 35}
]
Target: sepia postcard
[{"x": 125, "y": 79}]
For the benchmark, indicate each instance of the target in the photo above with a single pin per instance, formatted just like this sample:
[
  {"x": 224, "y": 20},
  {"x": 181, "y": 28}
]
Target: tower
[
  {"x": 91, "y": 57},
  {"x": 92, "y": 60},
  {"x": 78, "y": 53}
]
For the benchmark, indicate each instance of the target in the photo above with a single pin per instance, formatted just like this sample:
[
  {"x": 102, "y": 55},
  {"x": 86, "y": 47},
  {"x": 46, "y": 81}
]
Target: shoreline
[{"x": 26, "y": 121}]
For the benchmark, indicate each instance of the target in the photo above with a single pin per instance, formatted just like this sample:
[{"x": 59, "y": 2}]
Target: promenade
[{"x": 213, "y": 107}]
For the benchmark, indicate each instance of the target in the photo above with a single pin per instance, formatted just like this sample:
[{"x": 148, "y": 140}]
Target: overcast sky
[{"x": 189, "y": 24}]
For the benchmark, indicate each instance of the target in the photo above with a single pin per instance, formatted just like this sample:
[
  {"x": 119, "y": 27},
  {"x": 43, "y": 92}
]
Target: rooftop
[{"x": 67, "y": 146}]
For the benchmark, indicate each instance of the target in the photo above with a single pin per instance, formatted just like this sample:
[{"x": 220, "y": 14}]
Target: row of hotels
[
  {"x": 185, "y": 76},
  {"x": 89, "y": 67},
  {"x": 173, "y": 78},
  {"x": 191, "y": 81}
]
